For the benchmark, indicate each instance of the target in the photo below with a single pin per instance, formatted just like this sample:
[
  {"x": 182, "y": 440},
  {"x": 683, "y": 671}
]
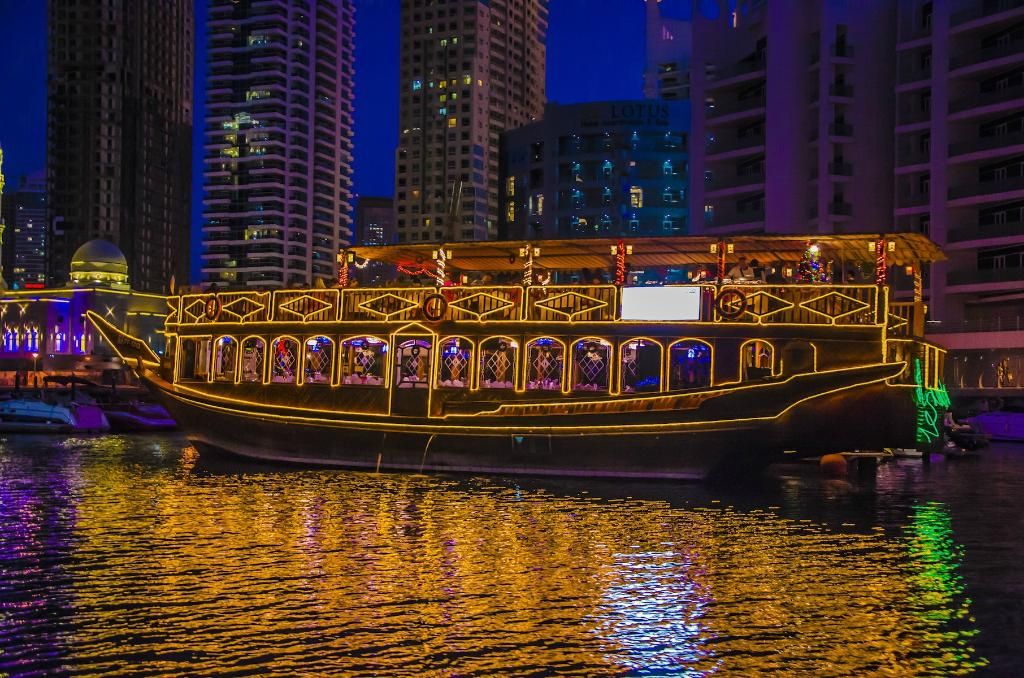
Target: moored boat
[
  {"x": 32, "y": 415},
  {"x": 668, "y": 381}
]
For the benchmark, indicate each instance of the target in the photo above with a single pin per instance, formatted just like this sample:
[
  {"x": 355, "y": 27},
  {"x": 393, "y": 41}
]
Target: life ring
[
  {"x": 212, "y": 308},
  {"x": 434, "y": 307},
  {"x": 731, "y": 304}
]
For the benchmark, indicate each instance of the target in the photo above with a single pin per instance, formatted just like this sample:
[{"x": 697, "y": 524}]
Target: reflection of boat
[
  {"x": 138, "y": 417},
  {"x": 27, "y": 415},
  {"x": 671, "y": 381},
  {"x": 1005, "y": 425}
]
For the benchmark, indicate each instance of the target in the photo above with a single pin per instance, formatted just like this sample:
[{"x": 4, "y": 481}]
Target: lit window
[
  {"x": 606, "y": 168},
  {"x": 669, "y": 195},
  {"x": 510, "y": 211},
  {"x": 667, "y": 167},
  {"x": 417, "y": 85},
  {"x": 539, "y": 202},
  {"x": 452, "y": 122},
  {"x": 510, "y": 186},
  {"x": 636, "y": 196},
  {"x": 467, "y": 79},
  {"x": 443, "y": 111}
]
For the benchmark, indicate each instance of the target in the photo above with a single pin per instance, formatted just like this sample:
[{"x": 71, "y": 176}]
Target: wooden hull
[{"x": 868, "y": 416}]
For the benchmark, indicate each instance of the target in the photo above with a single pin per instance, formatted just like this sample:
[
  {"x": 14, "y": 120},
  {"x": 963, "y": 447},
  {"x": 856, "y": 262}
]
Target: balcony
[
  {"x": 840, "y": 209},
  {"x": 986, "y": 276},
  {"x": 983, "y": 188},
  {"x": 913, "y": 72},
  {"x": 840, "y": 90},
  {"x": 840, "y": 51},
  {"x": 840, "y": 129},
  {"x": 1003, "y": 143},
  {"x": 910, "y": 158},
  {"x": 735, "y": 110},
  {"x": 752, "y": 143},
  {"x": 913, "y": 116},
  {"x": 742, "y": 72},
  {"x": 748, "y": 217},
  {"x": 840, "y": 169},
  {"x": 985, "y": 232},
  {"x": 735, "y": 185},
  {"x": 1000, "y": 52},
  {"x": 984, "y": 9},
  {"x": 986, "y": 99},
  {"x": 1010, "y": 323}
]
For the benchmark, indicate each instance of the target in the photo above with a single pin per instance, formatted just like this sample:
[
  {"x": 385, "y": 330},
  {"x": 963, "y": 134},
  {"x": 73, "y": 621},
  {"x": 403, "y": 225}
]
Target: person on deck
[{"x": 741, "y": 271}]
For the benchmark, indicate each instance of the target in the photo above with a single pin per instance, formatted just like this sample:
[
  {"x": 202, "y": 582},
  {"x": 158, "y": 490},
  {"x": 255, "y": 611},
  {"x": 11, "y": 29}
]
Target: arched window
[
  {"x": 757, "y": 360},
  {"x": 640, "y": 366},
  {"x": 224, "y": 356},
  {"x": 456, "y": 360},
  {"x": 689, "y": 365},
  {"x": 319, "y": 361},
  {"x": 498, "y": 363},
  {"x": 363, "y": 360},
  {"x": 60, "y": 341},
  {"x": 254, "y": 351},
  {"x": 284, "y": 360},
  {"x": 544, "y": 367},
  {"x": 413, "y": 364},
  {"x": 32, "y": 339},
  {"x": 591, "y": 361}
]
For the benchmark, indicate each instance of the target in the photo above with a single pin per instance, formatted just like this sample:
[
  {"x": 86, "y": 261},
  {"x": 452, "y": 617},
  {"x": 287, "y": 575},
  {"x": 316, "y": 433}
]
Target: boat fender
[
  {"x": 434, "y": 307},
  {"x": 731, "y": 304},
  {"x": 212, "y": 308}
]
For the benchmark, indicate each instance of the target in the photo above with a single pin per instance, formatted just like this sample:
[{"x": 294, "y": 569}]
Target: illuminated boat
[{"x": 671, "y": 381}]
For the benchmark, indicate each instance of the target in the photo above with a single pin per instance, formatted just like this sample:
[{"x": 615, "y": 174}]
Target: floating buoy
[{"x": 833, "y": 465}]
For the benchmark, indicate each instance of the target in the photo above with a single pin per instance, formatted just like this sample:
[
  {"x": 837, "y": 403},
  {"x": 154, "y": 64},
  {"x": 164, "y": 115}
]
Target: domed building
[
  {"x": 99, "y": 263},
  {"x": 45, "y": 331}
]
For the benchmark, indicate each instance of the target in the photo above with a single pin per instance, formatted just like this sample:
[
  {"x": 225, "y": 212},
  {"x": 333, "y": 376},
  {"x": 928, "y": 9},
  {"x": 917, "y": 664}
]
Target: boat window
[
  {"x": 546, "y": 358},
  {"x": 224, "y": 355},
  {"x": 689, "y": 365},
  {"x": 413, "y": 364},
  {"x": 498, "y": 363},
  {"x": 319, "y": 363},
  {"x": 757, "y": 359},
  {"x": 641, "y": 366},
  {"x": 591, "y": 360},
  {"x": 284, "y": 358},
  {"x": 362, "y": 361},
  {"x": 253, "y": 351},
  {"x": 194, "y": 359},
  {"x": 456, "y": 357}
]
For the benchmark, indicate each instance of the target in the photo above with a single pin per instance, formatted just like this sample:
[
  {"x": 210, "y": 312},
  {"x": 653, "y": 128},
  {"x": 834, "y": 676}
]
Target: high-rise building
[
  {"x": 597, "y": 169},
  {"x": 119, "y": 133},
  {"x": 470, "y": 69},
  {"x": 791, "y": 100},
  {"x": 25, "y": 236},
  {"x": 960, "y": 177},
  {"x": 277, "y": 173},
  {"x": 278, "y": 161},
  {"x": 375, "y": 220}
]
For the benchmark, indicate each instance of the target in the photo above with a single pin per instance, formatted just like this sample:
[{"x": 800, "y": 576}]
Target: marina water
[{"x": 128, "y": 555}]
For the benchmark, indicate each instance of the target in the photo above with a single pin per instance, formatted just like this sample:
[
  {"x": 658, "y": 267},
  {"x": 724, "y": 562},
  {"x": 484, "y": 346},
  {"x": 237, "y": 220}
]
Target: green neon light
[{"x": 931, "y": 404}]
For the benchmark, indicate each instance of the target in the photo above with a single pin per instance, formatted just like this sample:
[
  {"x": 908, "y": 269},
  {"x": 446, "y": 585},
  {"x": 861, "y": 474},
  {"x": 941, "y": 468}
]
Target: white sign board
[{"x": 661, "y": 303}]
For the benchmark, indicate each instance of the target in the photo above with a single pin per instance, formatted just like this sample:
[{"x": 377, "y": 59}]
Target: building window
[
  {"x": 606, "y": 168},
  {"x": 510, "y": 212},
  {"x": 452, "y": 122},
  {"x": 636, "y": 196},
  {"x": 666, "y": 168},
  {"x": 510, "y": 186}
]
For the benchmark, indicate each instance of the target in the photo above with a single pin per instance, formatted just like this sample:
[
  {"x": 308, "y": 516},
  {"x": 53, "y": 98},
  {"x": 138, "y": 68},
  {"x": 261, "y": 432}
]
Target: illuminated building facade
[
  {"x": 597, "y": 169},
  {"x": 791, "y": 101},
  {"x": 470, "y": 69},
  {"x": 959, "y": 178},
  {"x": 46, "y": 330},
  {"x": 24, "y": 240},
  {"x": 277, "y": 172},
  {"x": 119, "y": 133}
]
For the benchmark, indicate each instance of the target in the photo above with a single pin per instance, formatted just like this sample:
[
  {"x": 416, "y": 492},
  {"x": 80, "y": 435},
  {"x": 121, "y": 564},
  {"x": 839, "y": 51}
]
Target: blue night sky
[{"x": 595, "y": 52}]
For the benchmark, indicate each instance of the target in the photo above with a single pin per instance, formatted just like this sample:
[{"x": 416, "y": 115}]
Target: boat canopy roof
[{"x": 504, "y": 255}]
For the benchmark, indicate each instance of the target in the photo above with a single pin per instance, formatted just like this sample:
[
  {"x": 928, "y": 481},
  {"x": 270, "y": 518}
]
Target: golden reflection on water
[{"x": 178, "y": 569}]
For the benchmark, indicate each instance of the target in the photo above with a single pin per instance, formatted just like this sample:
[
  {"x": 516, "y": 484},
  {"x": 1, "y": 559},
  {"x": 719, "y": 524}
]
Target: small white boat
[
  {"x": 1003, "y": 425},
  {"x": 27, "y": 415}
]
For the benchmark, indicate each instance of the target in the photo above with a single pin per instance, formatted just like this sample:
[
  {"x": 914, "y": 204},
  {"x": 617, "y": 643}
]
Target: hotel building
[
  {"x": 24, "y": 240},
  {"x": 597, "y": 169},
  {"x": 469, "y": 70},
  {"x": 277, "y": 165},
  {"x": 119, "y": 133}
]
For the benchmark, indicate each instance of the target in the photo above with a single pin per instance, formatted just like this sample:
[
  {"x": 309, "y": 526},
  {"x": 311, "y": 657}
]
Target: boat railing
[{"x": 835, "y": 305}]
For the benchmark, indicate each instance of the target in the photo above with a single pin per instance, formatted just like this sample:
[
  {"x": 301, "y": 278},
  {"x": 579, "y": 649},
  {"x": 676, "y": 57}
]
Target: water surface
[{"x": 128, "y": 555}]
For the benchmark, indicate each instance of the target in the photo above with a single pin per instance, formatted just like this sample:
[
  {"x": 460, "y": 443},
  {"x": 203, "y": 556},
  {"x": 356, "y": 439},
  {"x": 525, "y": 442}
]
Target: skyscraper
[
  {"x": 119, "y": 133},
  {"x": 277, "y": 170},
  {"x": 25, "y": 237},
  {"x": 470, "y": 69}
]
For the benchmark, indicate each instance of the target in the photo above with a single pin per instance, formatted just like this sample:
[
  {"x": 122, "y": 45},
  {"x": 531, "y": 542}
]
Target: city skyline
[{"x": 580, "y": 69}]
